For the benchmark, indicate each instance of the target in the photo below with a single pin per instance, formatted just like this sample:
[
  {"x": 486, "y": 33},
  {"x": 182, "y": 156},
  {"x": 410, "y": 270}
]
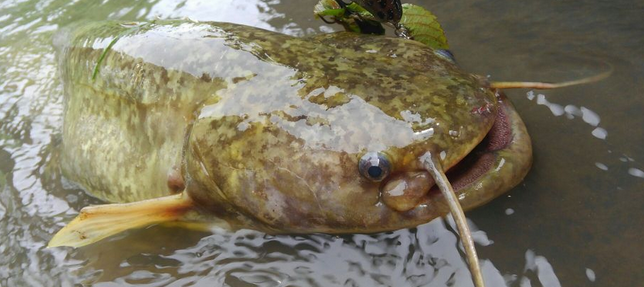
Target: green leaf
[
  {"x": 423, "y": 27},
  {"x": 324, "y": 5},
  {"x": 332, "y": 8},
  {"x": 328, "y": 8},
  {"x": 362, "y": 12}
]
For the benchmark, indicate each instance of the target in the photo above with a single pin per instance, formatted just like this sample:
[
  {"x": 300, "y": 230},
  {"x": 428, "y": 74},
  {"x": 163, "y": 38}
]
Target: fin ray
[{"x": 94, "y": 223}]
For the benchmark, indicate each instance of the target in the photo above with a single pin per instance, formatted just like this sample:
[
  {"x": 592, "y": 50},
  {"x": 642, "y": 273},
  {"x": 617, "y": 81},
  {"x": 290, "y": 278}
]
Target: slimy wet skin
[{"x": 246, "y": 128}]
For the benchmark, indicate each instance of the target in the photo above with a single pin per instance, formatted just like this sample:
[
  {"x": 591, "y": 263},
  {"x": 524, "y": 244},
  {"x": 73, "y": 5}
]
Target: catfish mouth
[
  {"x": 482, "y": 158},
  {"x": 495, "y": 165}
]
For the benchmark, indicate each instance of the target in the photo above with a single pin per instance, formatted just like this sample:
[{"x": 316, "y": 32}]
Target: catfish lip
[{"x": 481, "y": 158}]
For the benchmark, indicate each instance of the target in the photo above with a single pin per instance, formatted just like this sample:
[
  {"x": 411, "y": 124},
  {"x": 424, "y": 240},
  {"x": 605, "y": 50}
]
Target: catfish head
[{"x": 340, "y": 146}]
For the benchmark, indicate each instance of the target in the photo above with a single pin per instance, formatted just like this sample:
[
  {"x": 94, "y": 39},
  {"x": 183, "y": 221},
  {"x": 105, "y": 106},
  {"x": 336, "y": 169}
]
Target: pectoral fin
[{"x": 98, "y": 222}]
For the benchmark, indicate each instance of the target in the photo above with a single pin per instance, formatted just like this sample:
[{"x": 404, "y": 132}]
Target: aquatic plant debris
[
  {"x": 109, "y": 46},
  {"x": 417, "y": 23},
  {"x": 102, "y": 57}
]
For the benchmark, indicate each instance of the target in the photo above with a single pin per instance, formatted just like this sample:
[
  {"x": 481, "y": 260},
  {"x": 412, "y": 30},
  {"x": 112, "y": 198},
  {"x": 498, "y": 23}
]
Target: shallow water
[{"x": 575, "y": 220}]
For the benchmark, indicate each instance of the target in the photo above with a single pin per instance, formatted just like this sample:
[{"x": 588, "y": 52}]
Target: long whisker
[
  {"x": 544, "y": 86},
  {"x": 433, "y": 166}
]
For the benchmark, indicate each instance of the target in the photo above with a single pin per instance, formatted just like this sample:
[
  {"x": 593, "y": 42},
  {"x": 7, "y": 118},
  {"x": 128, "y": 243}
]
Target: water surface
[{"x": 575, "y": 220}]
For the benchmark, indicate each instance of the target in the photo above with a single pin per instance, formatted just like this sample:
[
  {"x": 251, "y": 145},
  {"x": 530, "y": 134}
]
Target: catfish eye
[
  {"x": 374, "y": 166},
  {"x": 446, "y": 54}
]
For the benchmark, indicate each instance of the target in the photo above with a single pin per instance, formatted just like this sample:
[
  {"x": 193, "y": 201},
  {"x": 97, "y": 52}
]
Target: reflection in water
[
  {"x": 572, "y": 111},
  {"x": 590, "y": 274},
  {"x": 425, "y": 256},
  {"x": 636, "y": 172},
  {"x": 540, "y": 265},
  {"x": 35, "y": 201},
  {"x": 588, "y": 116}
]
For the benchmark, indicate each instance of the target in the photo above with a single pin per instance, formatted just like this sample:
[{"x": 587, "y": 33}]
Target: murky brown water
[{"x": 575, "y": 221}]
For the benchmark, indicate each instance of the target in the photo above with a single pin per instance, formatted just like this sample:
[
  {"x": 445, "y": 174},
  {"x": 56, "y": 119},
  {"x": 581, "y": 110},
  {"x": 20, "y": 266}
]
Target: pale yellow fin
[
  {"x": 432, "y": 165},
  {"x": 98, "y": 222}
]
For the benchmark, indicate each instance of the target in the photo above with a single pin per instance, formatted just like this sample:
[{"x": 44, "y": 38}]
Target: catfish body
[{"x": 268, "y": 131}]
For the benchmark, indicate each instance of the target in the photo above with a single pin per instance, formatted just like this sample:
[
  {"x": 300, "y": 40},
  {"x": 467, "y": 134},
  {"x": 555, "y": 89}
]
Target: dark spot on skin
[
  {"x": 205, "y": 77},
  {"x": 286, "y": 116},
  {"x": 164, "y": 76},
  {"x": 390, "y": 15},
  {"x": 214, "y": 125},
  {"x": 238, "y": 79},
  {"x": 383, "y": 4},
  {"x": 381, "y": 15},
  {"x": 81, "y": 235}
]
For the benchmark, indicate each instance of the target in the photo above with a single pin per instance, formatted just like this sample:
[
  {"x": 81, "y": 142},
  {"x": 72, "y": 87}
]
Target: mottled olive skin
[{"x": 266, "y": 129}]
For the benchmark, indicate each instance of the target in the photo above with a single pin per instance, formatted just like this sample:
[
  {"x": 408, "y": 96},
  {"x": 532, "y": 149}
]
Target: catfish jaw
[{"x": 496, "y": 165}]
